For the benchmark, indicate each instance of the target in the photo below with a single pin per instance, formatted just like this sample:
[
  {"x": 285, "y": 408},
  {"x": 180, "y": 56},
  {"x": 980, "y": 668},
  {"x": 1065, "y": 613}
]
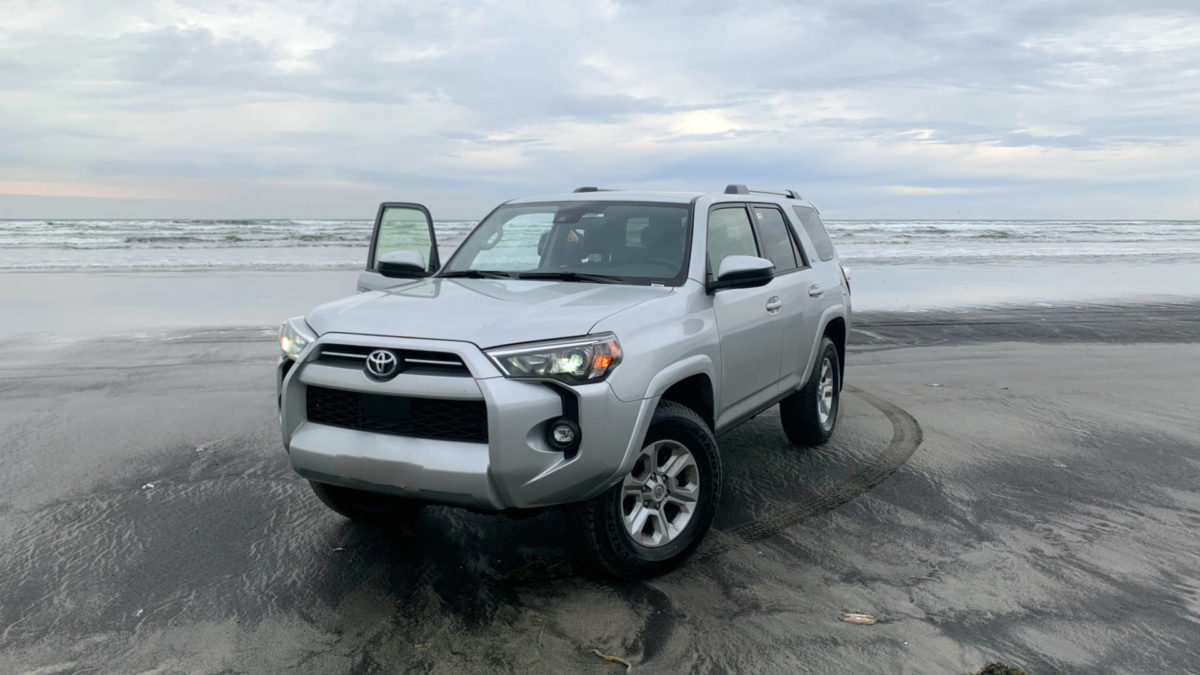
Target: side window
[
  {"x": 729, "y": 233},
  {"x": 776, "y": 242},
  {"x": 816, "y": 231}
]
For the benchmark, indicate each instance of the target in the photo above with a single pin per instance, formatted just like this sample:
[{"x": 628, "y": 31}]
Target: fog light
[{"x": 564, "y": 434}]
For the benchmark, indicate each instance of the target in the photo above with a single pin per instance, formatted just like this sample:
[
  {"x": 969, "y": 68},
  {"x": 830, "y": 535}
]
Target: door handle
[
  {"x": 774, "y": 304},
  {"x": 815, "y": 291}
]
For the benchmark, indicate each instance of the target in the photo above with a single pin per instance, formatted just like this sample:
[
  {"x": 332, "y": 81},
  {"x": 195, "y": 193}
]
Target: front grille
[
  {"x": 416, "y": 361},
  {"x": 399, "y": 415}
]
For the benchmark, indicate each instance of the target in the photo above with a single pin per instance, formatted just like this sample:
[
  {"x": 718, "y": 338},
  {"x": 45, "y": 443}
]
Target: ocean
[
  {"x": 131, "y": 245},
  {"x": 72, "y": 279}
]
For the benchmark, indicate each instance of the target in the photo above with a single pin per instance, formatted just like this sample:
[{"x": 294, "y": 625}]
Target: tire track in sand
[{"x": 906, "y": 438}]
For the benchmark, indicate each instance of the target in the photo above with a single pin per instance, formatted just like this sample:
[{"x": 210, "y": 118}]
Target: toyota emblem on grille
[{"x": 382, "y": 364}]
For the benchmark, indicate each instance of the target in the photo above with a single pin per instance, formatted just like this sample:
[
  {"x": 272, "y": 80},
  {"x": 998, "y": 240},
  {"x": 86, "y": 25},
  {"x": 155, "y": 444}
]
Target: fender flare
[
  {"x": 838, "y": 311},
  {"x": 697, "y": 364}
]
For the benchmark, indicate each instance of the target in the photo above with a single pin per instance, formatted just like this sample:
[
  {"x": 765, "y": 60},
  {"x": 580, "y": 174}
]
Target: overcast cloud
[{"x": 316, "y": 109}]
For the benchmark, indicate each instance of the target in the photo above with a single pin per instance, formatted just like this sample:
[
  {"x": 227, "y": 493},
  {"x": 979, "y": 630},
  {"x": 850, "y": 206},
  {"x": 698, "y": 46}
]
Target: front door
[
  {"x": 747, "y": 321},
  {"x": 399, "y": 226}
]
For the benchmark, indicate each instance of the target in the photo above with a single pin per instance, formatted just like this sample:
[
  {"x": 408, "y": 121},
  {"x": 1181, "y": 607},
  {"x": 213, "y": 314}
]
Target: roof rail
[
  {"x": 592, "y": 188},
  {"x": 736, "y": 189}
]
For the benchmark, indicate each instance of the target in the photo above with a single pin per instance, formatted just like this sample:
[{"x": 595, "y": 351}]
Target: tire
[
  {"x": 365, "y": 507},
  {"x": 810, "y": 414},
  {"x": 679, "y": 455}
]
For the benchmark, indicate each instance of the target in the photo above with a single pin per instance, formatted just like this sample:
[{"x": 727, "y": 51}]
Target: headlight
[
  {"x": 577, "y": 361},
  {"x": 294, "y": 336}
]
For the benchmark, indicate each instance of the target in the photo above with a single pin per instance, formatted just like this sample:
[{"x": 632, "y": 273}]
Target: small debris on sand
[
  {"x": 860, "y": 618},
  {"x": 614, "y": 659},
  {"x": 148, "y": 486},
  {"x": 339, "y": 549}
]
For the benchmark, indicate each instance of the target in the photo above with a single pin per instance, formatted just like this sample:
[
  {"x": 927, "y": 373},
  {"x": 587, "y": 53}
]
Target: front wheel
[
  {"x": 652, "y": 520},
  {"x": 810, "y": 414},
  {"x": 363, "y": 506}
]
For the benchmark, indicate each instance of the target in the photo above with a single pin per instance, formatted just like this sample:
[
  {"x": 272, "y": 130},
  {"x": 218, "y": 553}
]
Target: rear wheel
[
  {"x": 652, "y": 520},
  {"x": 810, "y": 414},
  {"x": 363, "y": 506}
]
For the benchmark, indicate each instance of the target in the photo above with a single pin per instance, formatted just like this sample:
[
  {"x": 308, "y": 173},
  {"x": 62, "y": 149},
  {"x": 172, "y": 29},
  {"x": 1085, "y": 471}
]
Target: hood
[{"x": 487, "y": 312}]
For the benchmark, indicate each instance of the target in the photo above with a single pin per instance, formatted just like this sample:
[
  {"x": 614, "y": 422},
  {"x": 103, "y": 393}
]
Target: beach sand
[{"x": 1013, "y": 484}]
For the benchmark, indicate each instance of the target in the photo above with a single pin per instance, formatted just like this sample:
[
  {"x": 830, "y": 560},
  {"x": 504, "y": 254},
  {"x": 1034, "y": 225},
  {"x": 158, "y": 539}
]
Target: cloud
[
  {"x": 927, "y": 190},
  {"x": 871, "y": 109}
]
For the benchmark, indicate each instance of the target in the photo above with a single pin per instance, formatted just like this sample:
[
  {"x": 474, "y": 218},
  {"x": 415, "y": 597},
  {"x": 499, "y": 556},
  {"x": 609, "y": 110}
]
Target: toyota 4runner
[{"x": 581, "y": 349}]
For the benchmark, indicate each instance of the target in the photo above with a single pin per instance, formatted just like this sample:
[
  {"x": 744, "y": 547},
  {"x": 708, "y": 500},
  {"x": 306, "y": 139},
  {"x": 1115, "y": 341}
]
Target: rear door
[
  {"x": 825, "y": 289},
  {"x": 799, "y": 313},
  {"x": 399, "y": 226}
]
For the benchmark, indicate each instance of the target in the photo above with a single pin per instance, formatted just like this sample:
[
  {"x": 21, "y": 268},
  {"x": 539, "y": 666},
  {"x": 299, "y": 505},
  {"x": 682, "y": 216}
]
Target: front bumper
[{"x": 515, "y": 468}]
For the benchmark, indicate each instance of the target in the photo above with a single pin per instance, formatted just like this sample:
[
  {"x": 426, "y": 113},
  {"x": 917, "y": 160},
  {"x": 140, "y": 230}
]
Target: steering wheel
[{"x": 665, "y": 262}]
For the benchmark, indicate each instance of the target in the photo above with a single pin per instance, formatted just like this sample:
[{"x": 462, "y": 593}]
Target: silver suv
[{"x": 581, "y": 349}]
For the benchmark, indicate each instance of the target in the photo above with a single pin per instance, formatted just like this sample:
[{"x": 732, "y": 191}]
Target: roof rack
[
  {"x": 592, "y": 188},
  {"x": 736, "y": 189}
]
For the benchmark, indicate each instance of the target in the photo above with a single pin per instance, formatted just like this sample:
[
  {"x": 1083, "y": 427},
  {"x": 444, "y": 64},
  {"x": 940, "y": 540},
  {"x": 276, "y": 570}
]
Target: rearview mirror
[
  {"x": 402, "y": 265},
  {"x": 742, "y": 271}
]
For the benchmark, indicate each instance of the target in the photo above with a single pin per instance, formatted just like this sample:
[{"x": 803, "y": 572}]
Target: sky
[{"x": 305, "y": 109}]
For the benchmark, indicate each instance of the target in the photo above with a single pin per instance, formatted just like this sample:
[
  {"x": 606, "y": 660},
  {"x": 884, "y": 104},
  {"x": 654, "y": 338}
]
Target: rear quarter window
[{"x": 816, "y": 231}]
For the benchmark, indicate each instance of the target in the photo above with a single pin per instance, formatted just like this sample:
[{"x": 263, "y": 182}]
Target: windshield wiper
[
  {"x": 478, "y": 274},
  {"x": 572, "y": 276}
]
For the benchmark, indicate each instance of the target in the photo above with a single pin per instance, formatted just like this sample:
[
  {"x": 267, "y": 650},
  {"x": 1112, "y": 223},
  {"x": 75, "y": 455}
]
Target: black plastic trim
[
  {"x": 751, "y": 415},
  {"x": 737, "y": 189},
  {"x": 570, "y": 412}
]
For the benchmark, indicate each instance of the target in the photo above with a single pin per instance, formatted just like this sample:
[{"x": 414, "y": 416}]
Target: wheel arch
[
  {"x": 696, "y": 392},
  {"x": 683, "y": 379},
  {"x": 836, "y": 331}
]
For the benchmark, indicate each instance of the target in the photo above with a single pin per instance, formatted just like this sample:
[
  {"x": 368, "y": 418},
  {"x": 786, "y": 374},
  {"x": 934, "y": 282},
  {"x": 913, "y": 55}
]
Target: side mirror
[
  {"x": 742, "y": 271},
  {"x": 402, "y": 265}
]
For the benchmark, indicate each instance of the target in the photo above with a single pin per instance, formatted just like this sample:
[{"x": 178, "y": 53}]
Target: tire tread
[{"x": 798, "y": 412}]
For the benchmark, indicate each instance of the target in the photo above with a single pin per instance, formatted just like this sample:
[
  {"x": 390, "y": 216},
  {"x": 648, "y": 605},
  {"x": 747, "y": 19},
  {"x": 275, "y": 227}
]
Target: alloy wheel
[
  {"x": 660, "y": 495},
  {"x": 825, "y": 393}
]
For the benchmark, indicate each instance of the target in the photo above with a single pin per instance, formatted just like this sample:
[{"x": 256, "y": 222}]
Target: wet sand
[{"x": 1014, "y": 484}]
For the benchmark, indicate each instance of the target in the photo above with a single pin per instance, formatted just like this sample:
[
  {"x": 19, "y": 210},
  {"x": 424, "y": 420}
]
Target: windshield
[{"x": 625, "y": 242}]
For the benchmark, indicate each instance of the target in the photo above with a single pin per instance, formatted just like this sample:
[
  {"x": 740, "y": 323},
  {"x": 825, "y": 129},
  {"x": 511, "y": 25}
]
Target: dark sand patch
[{"x": 1048, "y": 519}]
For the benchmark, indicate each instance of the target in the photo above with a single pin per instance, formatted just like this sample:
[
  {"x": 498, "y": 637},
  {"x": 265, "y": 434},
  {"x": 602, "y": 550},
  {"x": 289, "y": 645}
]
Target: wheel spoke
[
  {"x": 674, "y": 527},
  {"x": 661, "y": 532},
  {"x": 684, "y": 500},
  {"x": 637, "y": 519},
  {"x": 654, "y": 518},
  {"x": 678, "y": 462},
  {"x": 633, "y": 488}
]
